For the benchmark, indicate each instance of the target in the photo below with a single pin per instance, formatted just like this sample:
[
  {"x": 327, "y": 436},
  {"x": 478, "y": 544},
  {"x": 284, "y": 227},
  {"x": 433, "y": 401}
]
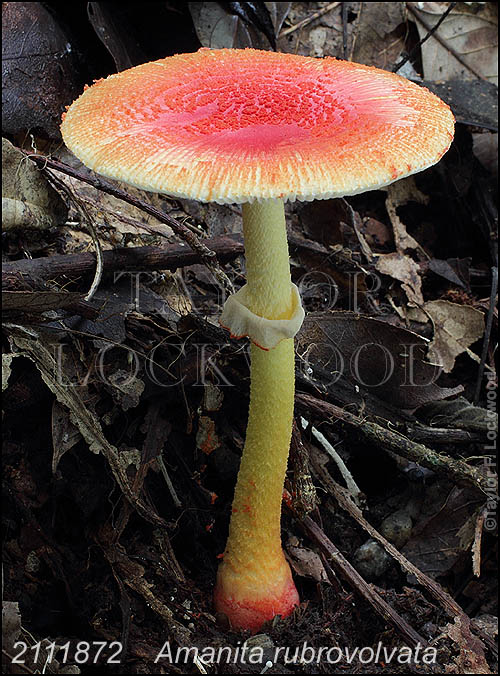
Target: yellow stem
[
  {"x": 254, "y": 562},
  {"x": 266, "y": 255}
]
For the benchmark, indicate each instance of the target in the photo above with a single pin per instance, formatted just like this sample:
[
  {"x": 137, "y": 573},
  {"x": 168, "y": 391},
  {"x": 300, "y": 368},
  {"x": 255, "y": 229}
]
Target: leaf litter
[{"x": 144, "y": 386}]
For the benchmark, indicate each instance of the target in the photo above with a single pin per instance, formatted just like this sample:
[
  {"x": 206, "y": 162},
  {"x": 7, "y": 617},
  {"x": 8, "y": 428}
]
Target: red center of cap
[{"x": 245, "y": 110}]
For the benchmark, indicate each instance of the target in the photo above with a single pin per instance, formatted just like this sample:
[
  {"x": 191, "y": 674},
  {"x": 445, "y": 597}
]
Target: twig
[
  {"x": 132, "y": 574},
  {"x": 309, "y": 19},
  {"x": 347, "y": 476},
  {"x": 369, "y": 593},
  {"x": 487, "y": 332},
  {"x": 476, "y": 545},
  {"x": 29, "y": 273},
  {"x": 453, "y": 468},
  {"x": 445, "y": 44},
  {"x": 355, "y": 31},
  {"x": 207, "y": 256},
  {"x": 440, "y": 435},
  {"x": 447, "y": 602},
  {"x": 98, "y": 254},
  {"x": 344, "y": 28},
  {"x": 426, "y": 37},
  {"x": 59, "y": 185},
  {"x": 168, "y": 481}
]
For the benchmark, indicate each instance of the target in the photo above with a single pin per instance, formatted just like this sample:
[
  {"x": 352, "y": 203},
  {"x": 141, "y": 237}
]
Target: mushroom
[{"x": 258, "y": 128}]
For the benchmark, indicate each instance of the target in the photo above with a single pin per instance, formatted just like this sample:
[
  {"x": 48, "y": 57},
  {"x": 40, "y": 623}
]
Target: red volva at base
[{"x": 252, "y": 614}]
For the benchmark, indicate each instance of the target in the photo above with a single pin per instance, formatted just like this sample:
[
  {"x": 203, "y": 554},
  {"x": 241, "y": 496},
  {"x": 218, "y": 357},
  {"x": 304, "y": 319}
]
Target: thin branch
[
  {"x": 446, "y": 601},
  {"x": 368, "y": 591},
  {"x": 344, "y": 28},
  {"x": 445, "y": 44},
  {"x": 207, "y": 256},
  {"x": 347, "y": 476},
  {"x": 453, "y": 468},
  {"x": 309, "y": 19},
  {"x": 487, "y": 332},
  {"x": 426, "y": 37},
  {"x": 29, "y": 273}
]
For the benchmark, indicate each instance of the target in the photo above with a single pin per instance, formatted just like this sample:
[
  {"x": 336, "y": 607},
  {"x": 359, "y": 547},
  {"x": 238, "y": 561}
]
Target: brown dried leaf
[
  {"x": 28, "y": 200},
  {"x": 64, "y": 434},
  {"x": 456, "y": 327},
  {"x": 307, "y": 563},
  {"x": 377, "y": 41},
  {"x": 471, "y": 659},
  {"x": 439, "y": 538},
  {"x": 56, "y": 378},
  {"x": 124, "y": 218},
  {"x": 6, "y": 370},
  {"x": 399, "y": 194},
  {"x": 11, "y": 624},
  {"x": 217, "y": 28},
  {"x": 33, "y": 661},
  {"x": 206, "y": 436},
  {"x": 406, "y": 270},
  {"x": 38, "y": 73},
  {"x": 470, "y": 29},
  {"x": 111, "y": 29},
  {"x": 387, "y": 361},
  {"x": 459, "y": 414},
  {"x": 127, "y": 388}
]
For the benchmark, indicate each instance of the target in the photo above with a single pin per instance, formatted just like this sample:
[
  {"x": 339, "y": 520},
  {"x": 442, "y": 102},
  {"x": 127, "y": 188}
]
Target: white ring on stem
[{"x": 265, "y": 333}]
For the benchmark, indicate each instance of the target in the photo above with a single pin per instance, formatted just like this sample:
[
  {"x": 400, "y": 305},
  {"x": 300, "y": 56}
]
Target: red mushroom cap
[{"x": 235, "y": 125}]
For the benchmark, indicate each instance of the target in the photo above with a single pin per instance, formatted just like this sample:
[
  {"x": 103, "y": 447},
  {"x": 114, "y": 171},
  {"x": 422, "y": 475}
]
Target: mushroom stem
[
  {"x": 254, "y": 581},
  {"x": 266, "y": 254}
]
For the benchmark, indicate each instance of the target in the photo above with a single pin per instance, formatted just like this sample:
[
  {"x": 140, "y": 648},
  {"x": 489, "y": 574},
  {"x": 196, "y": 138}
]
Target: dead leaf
[
  {"x": 471, "y": 659},
  {"x": 454, "y": 270},
  {"x": 11, "y": 624},
  {"x": 217, "y": 28},
  {"x": 377, "y": 234},
  {"x": 307, "y": 563},
  {"x": 206, "y": 436},
  {"x": 378, "y": 42},
  {"x": 64, "y": 434},
  {"x": 125, "y": 219},
  {"x": 439, "y": 536},
  {"x": 111, "y": 28},
  {"x": 212, "y": 397},
  {"x": 398, "y": 194},
  {"x": 456, "y": 327},
  {"x": 471, "y": 29},
  {"x": 6, "y": 370},
  {"x": 38, "y": 72},
  {"x": 28, "y": 200},
  {"x": 33, "y": 661},
  {"x": 473, "y": 102},
  {"x": 55, "y": 376},
  {"x": 406, "y": 270},
  {"x": 255, "y": 26},
  {"x": 458, "y": 414},
  {"x": 349, "y": 351},
  {"x": 485, "y": 147},
  {"x": 126, "y": 388}
]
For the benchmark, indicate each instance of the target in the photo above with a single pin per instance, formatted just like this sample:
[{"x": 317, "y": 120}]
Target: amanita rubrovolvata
[{"x": 258, "y": 128}]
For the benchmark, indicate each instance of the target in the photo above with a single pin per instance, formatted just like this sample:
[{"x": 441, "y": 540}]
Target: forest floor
[{"x": 124, "y": 415}]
